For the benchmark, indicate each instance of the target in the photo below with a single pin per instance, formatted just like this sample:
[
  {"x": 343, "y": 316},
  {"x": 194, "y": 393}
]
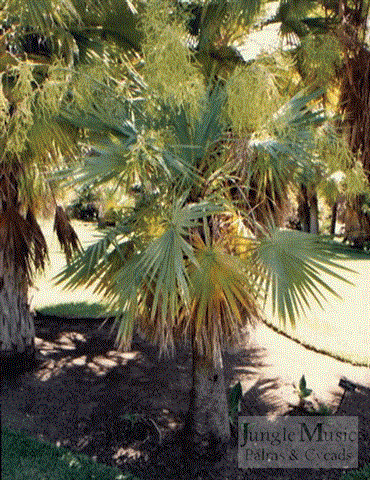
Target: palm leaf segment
[
  {"x": 290, "y": 265},
  {"x": 287, "y": 140}
]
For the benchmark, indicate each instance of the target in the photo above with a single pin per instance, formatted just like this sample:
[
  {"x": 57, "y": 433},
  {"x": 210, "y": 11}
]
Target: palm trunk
[
  {"x": 333, "y": 218},
  {"x": 314, "y": 214},
  {"x": 304, "y": 209},
  {"x": 17, "y": 336},
  {"x": 208, "y": 417}
]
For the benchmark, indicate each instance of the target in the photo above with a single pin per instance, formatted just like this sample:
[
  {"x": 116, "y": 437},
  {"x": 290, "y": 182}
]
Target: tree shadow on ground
[{"x": 127, "y": 408}]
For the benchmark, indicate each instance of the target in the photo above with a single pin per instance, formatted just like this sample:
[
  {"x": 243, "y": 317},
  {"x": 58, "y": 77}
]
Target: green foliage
[
  {"x": 306, "y": 406},
  {"x": 291, "y": 262},
  {"x": 361, "y": 474},
  {"x": 75, "y": 310},
  {"x": 24, "y": 458},
  {"x": 302, "y": 390},
  {"x": 44, "y": 15},
  {"x": 181, "y": 260},
  {"x": 253, "y": 96},
  {"x": 319, "y": 58},
  {"x": 235, "y": 396},
  {"x": 168, "y": 68}
]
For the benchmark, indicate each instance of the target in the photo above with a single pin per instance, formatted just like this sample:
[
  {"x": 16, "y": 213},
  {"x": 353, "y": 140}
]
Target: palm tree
[
  {"x": 41, "y": 46},
  {"x": 331, "y": 43},
  {"x": 187, "y": 261},
  {"x": 31, "y": 143}
]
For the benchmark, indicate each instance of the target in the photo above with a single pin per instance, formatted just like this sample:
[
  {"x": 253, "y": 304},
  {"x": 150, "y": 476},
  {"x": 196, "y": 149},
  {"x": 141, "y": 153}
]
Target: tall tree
[
  {"x": 187, "y": 260},
  {"x": 331, "y": 40},
  {"x": 34, "y": 46}
]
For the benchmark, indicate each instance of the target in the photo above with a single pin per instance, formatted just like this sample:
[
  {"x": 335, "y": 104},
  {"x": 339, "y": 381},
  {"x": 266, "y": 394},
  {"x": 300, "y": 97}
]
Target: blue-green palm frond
[
  {"x": 96, "y": 264},
  {"x": 289, "y": 134},
  {"x": 208, "y": 126},
  {"x": 290, "y": 265},
  {"x": 160, "y": 274},
  {"x": 287, "y": 142},
  {"x": 196, "y": 135}
]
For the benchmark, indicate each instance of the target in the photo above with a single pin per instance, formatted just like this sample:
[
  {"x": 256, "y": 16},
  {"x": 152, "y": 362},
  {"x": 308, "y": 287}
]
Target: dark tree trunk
[
  {"x": 308, "y": 211},
  {"x": 304, "y": 209},
  {"x": 208, "y": 416},
  {"x": 355, "y": 92},
  {"x": 333, "y": 218}
]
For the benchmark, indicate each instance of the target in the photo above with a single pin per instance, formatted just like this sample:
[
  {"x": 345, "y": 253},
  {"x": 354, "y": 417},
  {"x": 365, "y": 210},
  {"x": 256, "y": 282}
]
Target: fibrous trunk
[
  {"x": 17, "y": 326},
  {"x": 304, "y": 209},
  {"x": 355, "y": 99},
  {"x": 308, "y": 212},
  {"x": 208, "y": 417}
]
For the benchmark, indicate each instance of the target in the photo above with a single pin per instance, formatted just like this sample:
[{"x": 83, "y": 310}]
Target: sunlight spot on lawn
[{"x": 128, "y": 453}]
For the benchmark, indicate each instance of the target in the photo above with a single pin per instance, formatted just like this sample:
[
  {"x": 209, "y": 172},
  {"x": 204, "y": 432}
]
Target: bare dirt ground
[{"x": 127, "y": 409}]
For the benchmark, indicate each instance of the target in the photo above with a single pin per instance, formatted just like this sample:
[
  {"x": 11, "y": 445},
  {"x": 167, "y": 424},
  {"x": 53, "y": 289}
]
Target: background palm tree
[
  {"x": 35, "y": 46},
  {"x": 42, "y": 44},
  {"x": 331, "y": 43}
]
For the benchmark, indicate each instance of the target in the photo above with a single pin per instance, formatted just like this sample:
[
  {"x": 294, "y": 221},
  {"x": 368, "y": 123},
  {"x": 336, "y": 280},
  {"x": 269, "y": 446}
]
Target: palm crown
[{"x": 188, "y": 257}]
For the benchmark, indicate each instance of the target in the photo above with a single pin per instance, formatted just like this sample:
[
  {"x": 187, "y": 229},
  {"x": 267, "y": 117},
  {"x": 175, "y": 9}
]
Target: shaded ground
[{"x": 127, "y": 409}]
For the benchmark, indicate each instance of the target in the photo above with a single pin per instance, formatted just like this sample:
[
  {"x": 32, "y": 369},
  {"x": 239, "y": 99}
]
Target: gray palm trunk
[
  {"x": 17, "y": 334},
  {"x": 208, "y": 410}
]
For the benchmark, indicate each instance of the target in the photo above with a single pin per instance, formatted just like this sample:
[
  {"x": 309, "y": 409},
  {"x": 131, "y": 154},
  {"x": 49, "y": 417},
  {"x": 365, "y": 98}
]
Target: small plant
[
  {"x": 302, "y": 390},
  {"x": 363, "y": 474},
  {"x": 84, "y": 207},
  {"x": 235, "y": 396},
  {"x": 305, "y": 406},
  {"x": 141, "y": 427}
]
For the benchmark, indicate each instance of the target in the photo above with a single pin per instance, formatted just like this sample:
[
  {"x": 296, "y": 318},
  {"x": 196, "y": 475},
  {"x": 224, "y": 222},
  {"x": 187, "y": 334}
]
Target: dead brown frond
[
  {"x": 22, "y": 244},
  {"x": 39, "y": 250},
  {"x": 66, "y": 234}
]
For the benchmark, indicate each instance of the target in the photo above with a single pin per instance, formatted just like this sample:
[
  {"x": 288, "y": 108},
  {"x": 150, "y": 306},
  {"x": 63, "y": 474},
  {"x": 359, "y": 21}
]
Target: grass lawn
[
  {"x": 24, "y": 458},
  {"x": 362, "y": 474}
]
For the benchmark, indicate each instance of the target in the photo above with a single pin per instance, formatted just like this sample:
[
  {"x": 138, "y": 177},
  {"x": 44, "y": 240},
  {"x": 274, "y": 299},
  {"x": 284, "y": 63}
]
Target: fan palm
[
  {"x": 41, "y": 44},
  {"x": 31, "y": 86},
  {"x": 331, "y": 43},
  {"x": 187, "y": 261}
]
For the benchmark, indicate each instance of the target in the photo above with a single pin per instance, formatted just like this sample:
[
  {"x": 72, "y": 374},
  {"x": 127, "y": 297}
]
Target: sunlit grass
[
  {"x": 75, "y": 310},
  {"x": 362, "y": 474}
]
